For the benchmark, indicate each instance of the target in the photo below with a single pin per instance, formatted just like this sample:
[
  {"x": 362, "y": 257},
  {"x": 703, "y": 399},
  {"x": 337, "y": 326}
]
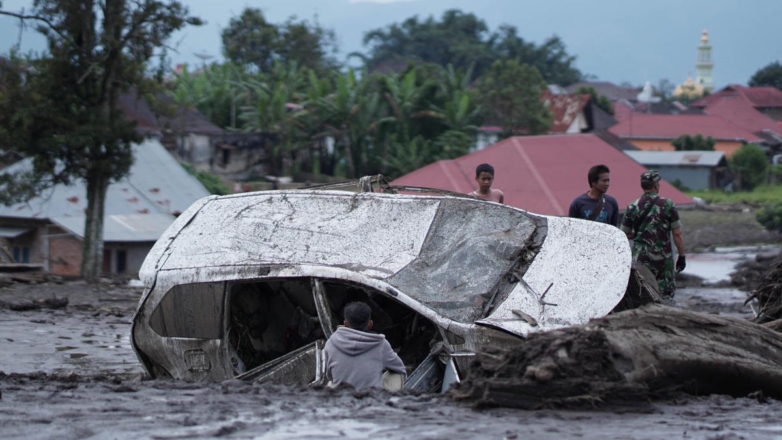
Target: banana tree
[
  {"x": 353, "y": 113},
  {"x": 269, "y": 111}
]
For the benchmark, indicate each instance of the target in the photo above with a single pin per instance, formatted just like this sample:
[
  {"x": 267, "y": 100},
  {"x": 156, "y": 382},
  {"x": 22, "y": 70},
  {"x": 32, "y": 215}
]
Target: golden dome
[
  {"x": 689, "y": 89},
  {"x": 704, "y": 37}
]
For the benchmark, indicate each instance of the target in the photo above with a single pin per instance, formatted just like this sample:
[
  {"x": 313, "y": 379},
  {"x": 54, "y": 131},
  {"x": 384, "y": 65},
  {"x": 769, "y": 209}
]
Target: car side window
[{"x": 190, "y": 311}]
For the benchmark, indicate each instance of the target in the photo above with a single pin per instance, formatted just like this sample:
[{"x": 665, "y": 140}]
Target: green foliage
[
  {"x": 776, "y": 172},
  {"x": 770, "y": 217},
  {"x": 464, "y": 40},
  {"x": 600, "y": 100},
  {"x": 251, "y": 39},
  {"x": 511, "y": 92},
  {"x": 679, "y": 185},
  {"x": 211, "y": 182},
  {"x": 760, "y": 195},
  {"x": 750, "y": 164},
  {"x": 771, "y": 76},
  {"x": 686, "y": 142}
]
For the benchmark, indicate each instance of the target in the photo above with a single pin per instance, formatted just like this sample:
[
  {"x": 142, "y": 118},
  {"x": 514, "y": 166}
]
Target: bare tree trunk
[{"x": 92, "y": 252}]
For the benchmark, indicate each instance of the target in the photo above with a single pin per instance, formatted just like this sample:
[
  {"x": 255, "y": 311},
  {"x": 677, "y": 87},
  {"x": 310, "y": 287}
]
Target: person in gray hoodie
[{"x": 357, "y": 357}]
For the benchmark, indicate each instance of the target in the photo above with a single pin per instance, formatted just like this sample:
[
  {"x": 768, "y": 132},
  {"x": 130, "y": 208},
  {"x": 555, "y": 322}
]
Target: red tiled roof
[
  {"x": 564, "y": 109},
  {"x": 541, "y": 174},
  {"x": 656, "y": 126},
  {"x": 758, "y": 97},
  {"x": 741, "y": 113}
]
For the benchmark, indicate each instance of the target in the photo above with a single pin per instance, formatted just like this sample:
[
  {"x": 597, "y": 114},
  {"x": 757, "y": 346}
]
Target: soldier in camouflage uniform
[{"x": 649, "y": 222}]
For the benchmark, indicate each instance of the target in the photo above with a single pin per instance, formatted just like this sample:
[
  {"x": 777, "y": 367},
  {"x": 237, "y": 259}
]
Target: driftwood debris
[
  {"x": 768, "y": 292},
  {"x": 629, "y": 357}
]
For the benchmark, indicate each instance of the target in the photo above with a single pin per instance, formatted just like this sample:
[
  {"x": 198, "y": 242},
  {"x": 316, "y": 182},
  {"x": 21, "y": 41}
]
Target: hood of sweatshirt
[{"x": 355, "y": 342}]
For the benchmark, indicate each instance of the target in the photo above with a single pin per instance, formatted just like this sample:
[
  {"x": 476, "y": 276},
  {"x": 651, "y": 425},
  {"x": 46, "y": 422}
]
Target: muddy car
[{"x": 251, "y": 286}]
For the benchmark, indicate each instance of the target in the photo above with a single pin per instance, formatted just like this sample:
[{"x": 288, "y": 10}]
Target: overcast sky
[{"x": 616, "y": 40}]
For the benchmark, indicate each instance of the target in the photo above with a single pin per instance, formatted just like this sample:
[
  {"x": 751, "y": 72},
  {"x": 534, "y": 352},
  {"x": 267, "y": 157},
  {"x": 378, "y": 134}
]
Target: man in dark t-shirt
[{"x": 585, "y": 205}]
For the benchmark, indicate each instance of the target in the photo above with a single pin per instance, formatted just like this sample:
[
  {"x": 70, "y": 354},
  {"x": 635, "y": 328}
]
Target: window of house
[
  {"x": 226, "y": 156},
  {"x": 22, "y": 254}
]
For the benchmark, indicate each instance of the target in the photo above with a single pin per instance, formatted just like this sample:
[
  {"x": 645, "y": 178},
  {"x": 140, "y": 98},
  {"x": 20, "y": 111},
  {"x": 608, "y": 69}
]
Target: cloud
[{"x": 380, "y": 1}]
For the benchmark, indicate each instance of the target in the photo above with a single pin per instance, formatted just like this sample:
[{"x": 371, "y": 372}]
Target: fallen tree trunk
[{"x": 629, "y": 356}]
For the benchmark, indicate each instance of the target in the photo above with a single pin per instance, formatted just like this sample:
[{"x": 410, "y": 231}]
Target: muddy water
[
  {"x": 62, "y": 342},
  {"x": 89, "y": 343}
]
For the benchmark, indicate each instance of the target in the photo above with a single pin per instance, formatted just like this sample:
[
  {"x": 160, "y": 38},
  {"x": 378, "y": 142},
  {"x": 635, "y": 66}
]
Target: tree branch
[{"x": 45, "y": 20}]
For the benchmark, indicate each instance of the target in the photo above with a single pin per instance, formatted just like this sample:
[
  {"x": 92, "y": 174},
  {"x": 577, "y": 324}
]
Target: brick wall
[
  {"x": 34, "y": 241},
  {"x": 64, "y": 253}
]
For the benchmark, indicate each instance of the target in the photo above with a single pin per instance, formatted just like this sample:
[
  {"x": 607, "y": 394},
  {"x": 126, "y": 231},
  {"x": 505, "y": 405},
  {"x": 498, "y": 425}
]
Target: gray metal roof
[
  {"x": 122, "y": 228},
  {"x": 678, "y": 158},
  {"x": 13, "y": 232},
  {"x": 156, "y": 184}
]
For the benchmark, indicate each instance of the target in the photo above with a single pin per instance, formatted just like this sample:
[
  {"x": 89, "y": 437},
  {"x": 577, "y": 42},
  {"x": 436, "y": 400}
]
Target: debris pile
[
  {"x": 768, "y": 293},
  {"x": 630, "y": 356},
  {"x": 749, "y": 274}
]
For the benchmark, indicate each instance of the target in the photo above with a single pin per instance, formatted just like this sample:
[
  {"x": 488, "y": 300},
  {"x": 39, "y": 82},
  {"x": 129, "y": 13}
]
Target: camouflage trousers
[{"x": 663, "y": 270}]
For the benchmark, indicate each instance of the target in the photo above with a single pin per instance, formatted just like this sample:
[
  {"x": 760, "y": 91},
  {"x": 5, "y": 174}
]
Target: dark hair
[
  {"x": 647, "y": 184},
  {"x": 484, "y": 168},
  {"x": 594, "y": 173},
  {"x": 358, "y": 314}
]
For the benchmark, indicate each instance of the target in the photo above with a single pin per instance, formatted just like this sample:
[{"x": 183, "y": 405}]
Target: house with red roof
[
  {"x": 654, "y": 132},
  {"x": 733, "y": 116},
  {"x": 542, "y": 174},
  {"x": 570, "y": 114},
  {"x": 766, "y": 100}
]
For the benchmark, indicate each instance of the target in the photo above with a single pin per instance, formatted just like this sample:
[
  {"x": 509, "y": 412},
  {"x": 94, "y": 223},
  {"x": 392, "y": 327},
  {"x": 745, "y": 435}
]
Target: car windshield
[{"x": 468, "y": 250}]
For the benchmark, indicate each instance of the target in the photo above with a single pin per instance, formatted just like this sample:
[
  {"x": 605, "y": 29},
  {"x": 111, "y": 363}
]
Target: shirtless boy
[{"x": 484, "y": 175}]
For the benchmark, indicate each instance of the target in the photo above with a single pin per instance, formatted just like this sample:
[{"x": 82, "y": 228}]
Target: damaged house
[
  {"x": 193, "y": 138},
  {"x": 47, "y": 231}
]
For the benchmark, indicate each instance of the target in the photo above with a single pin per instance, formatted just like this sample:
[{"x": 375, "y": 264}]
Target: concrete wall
[
  {"x": 195, "y": 149},
  {"x": 665, "y": 145},
  {"x": 691, "y": 177}
]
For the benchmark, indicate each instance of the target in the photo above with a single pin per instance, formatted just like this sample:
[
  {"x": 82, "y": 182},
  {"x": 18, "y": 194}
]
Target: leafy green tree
[
  {"x": 307, "y": 44},
  {"x": 771, "y": 76},
  {"x": 211, "y": 182},
  {"x": 464, "y": 40},
  {"x": 510, "y": 92},
  {"x": 599, "y": 100},
  {"x": 268, "y": 111},
  {"x": 63, "y": 112},
  {"x": 458, "y": 38},
  {"x": 770, "y": 217},
  {"x": 550, "y": 58},
  {"x": 353, "y": 118},
  {"x": 452, "y": 144},
  {"x": 686, "y": 142},
  {"x": 405, "y": 157},
  {"x": 406, "y": 101},
  {"x": 250, "y": 39},
  {"x": 750, "y": 164}
]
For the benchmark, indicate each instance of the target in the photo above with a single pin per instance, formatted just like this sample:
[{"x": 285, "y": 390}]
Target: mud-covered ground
[{"x": 70, "y": 373}]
